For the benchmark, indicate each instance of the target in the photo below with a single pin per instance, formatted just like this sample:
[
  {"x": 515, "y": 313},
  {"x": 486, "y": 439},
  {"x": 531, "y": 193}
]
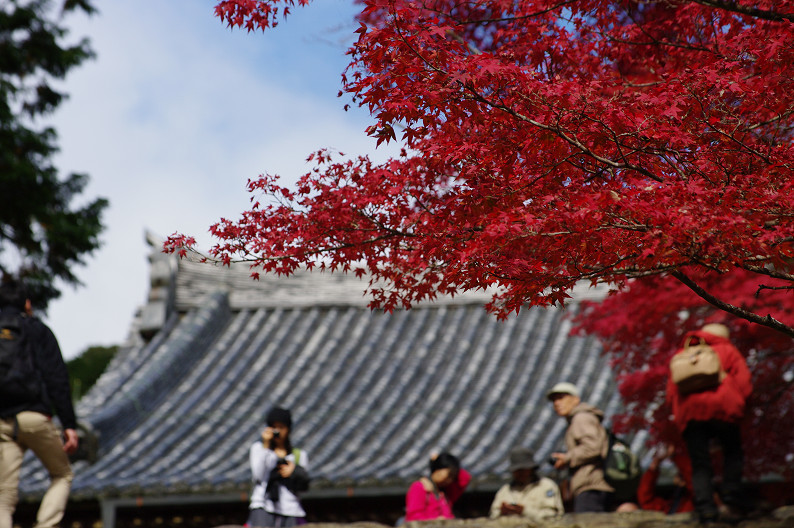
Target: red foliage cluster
[
  {"x": 643, "y": 144},
  {"x": 253, "y": 14},
  {"x": 546, "y": 142},
  {"x": 642, "y": 326}
]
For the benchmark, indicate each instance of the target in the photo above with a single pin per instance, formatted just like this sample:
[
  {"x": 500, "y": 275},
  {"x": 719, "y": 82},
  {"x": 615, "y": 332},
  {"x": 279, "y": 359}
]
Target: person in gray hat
[
  {"x": 587, "y": 443},
  {"x": 528, "y": 494}
]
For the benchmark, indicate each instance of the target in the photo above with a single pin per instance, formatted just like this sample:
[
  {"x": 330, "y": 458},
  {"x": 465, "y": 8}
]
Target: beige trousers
[{"x": 37, "y": 433}]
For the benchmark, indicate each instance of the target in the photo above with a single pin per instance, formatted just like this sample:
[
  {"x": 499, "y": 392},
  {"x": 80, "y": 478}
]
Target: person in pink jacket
[
  {"x": 433, "y": 497},
  {"x": 714, "y": 414}
]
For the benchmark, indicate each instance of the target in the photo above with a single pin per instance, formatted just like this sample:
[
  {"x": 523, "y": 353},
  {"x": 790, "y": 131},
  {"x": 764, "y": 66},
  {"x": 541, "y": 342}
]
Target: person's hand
[
  {"x": 560, "y": 460},
  {"x": 660, "y": 454},
  {"x": 285, "y": 470},
  {"x": 511, "y": 509},
  {"x": 71, "y": 441}
]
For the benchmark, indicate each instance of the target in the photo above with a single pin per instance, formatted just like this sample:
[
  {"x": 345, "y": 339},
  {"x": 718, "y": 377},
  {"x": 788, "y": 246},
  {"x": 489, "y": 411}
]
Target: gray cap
[
  {"x": 522, "y": 458},
  {"x": 563, "y": 388}
]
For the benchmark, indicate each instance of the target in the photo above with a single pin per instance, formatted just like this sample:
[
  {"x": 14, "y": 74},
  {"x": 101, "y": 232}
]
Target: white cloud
[{"x": 170, "y": 121}]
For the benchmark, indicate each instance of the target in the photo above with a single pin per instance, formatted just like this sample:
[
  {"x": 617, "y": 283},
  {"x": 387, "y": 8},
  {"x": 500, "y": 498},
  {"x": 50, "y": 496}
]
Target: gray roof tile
[{"x": 372, "y": 394}]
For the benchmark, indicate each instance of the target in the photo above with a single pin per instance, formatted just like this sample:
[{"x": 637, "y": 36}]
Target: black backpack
[{"x": 19, "y": 379}]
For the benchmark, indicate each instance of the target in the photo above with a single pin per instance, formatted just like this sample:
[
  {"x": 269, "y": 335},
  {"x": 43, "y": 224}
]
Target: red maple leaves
[{"x": 546, "y": 142}]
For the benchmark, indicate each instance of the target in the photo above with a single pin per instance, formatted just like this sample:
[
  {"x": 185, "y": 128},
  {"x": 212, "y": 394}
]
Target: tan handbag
[{"x": 696, "y": 368}]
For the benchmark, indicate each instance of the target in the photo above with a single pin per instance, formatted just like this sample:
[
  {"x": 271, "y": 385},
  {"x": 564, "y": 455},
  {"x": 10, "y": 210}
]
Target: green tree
[
  {"x": 43, "y": 235},
  {"x": 86, "y": 368}
]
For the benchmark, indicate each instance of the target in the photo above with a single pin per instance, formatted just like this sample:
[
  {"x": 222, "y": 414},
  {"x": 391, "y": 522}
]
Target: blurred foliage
[
  {"x": 86, "y": 368},
  {"x": 44, "y": 234}
]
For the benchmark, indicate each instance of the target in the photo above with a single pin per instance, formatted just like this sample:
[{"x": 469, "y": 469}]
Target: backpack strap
[
  {"x": 297, "y": 454},
  {"x": 15, "y": 430}
]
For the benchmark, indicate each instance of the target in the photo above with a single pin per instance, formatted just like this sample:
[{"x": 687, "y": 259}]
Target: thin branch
[
  {"x": 767, "y": 321},
  {"x": 558, "y": 131},
  {"x": 754, "y": 12},
  {"x": 765, "y": 287},
  {"x": 770, "y": 272},
  {"x": 500, "y": 19},
  {"x": 770, "y": 121}
]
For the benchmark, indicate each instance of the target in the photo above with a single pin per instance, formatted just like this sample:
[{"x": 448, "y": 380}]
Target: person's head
[
  {"x": 716, "y": 329},
  {"x": 627, "y": 507},
  {"x": 12, "y": 293},
  {"x": 281, "y": 421},
  {"x": 564, "y": 396},
  {"x": 444, "y": 469},
  {"x": 523, "y": 465}
]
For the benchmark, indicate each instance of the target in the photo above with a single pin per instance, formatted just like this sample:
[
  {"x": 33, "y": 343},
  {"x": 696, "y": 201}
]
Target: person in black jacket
[{"x": 26, "y": 411}]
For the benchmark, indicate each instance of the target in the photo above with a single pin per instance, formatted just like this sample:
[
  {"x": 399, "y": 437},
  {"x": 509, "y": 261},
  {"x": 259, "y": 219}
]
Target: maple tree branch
[
  {"x": 754, "y": 12},
  {"x": 416, "y": 52},
  {"x": 645, "y": 148},
  {"x": 731, "y": 136},
  {"x": 749, "y": 149},
  {"x": 315, "y": 252},
  {"x": 555, "y": 129},
  {"x": 381, "y": 226},
  {"x": 562, "y": 135},
  {"x": 633, "y": 272},
  {"x": 507, "y": 19},
  {"x": 474, "y": 49},
  {"x": 767, "y": 321},
  {"x": 765, "y": 287},
  {"x": 761, "y": 270},
  {"x": 773, "y": 120},
  {"x": 653, "y": 40}
]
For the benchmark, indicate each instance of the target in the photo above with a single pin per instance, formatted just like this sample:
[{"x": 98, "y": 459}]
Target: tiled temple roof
[{"x": 372, "y": 394}]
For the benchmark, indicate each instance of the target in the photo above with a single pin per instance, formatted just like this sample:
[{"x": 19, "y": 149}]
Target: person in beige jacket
[
  {"x": 528, "y": 495},
  {"x": 587, "y": 443}
]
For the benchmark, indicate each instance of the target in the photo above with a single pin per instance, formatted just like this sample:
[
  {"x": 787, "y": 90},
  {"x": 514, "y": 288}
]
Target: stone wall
[{"x": 779, "y": 518}]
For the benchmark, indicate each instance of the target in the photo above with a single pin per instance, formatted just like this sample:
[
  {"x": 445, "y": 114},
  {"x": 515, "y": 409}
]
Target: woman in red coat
[{"x": 714, "y": 414}]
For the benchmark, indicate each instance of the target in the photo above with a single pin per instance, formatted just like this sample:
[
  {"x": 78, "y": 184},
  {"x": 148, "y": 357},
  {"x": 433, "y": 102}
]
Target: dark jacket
[{"x": 56, "y": 393}]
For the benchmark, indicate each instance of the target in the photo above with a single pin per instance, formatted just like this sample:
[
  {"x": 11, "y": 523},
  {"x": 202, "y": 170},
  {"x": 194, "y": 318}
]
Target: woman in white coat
[{"x": 280, "y": 473}]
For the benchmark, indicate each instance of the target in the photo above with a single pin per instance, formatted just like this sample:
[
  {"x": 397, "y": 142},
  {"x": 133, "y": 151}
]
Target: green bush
[{"x": 86, "y": 368}]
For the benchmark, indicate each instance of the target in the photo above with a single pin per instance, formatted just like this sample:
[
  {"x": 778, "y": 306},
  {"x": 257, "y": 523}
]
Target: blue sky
[{"x": 171, "y": 119}]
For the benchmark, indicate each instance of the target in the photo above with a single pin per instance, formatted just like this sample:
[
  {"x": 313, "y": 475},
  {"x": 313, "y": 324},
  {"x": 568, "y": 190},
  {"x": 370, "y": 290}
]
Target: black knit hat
[{"x": 277, "y": 414}]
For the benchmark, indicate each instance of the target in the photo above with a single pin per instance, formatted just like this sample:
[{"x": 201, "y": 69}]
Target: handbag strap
[{"x": 688, "y": 342}]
